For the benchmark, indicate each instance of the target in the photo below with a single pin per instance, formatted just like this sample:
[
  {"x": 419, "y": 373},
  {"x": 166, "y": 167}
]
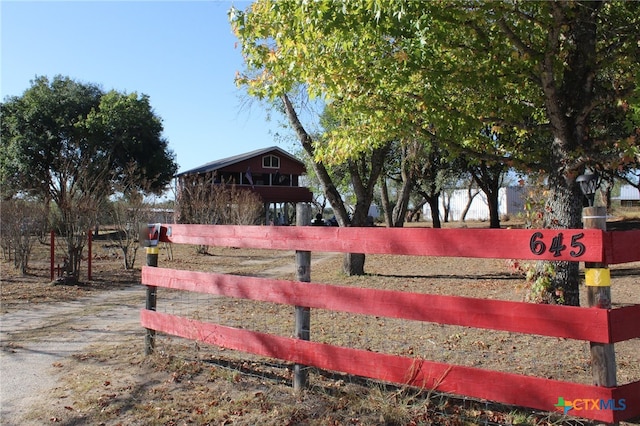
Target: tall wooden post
[
  {"x": 302, "y": 314},
  {"x": 598, "y": 283}
]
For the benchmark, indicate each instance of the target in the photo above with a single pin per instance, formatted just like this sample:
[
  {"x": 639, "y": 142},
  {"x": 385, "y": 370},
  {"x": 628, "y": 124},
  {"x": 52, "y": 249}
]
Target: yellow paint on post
[
  {"x": 597, "y": 277},
  {"x": 153, "y": 250}
]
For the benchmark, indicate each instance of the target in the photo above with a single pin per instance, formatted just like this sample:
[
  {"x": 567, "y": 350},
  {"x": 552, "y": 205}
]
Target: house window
[{"x": 270, "y": 162}]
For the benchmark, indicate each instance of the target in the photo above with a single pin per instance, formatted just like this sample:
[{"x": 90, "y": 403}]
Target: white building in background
[
  {"x": 374, "y": 211},
  {"x": 629, "y": 196},
  {"x": 510, "y": 202}
]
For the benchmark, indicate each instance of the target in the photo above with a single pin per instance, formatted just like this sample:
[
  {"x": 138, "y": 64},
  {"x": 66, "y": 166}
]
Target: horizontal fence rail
[
  {"x": 588, "y": 324},
  {"x": 498, "y": 386},
  {"x": 583, "y": 245},
  {"x": 622, "y": 246},
  {"x": 570, "y": 322}
]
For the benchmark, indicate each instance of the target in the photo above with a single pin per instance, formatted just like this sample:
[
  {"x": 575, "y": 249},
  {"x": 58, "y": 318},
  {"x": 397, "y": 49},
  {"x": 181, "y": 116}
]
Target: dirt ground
[{"x": 82, "y": 346}]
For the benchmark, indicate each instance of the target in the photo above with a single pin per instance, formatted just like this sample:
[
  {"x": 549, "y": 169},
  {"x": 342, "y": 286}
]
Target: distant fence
[{"x": 599, "y": 326}]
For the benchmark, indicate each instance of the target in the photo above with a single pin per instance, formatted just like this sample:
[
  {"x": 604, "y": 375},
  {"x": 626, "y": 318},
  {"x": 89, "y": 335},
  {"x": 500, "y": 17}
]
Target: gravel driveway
[{"x": 34, "y": 341}]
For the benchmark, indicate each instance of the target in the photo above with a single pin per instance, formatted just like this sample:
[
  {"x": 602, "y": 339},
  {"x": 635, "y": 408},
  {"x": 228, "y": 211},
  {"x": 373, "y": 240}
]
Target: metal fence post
[{"x": 302, "y": 314}]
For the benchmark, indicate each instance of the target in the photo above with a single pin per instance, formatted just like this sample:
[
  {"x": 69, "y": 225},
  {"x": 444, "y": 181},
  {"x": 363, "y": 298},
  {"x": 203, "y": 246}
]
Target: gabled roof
[{"x": 225, "y": 162}]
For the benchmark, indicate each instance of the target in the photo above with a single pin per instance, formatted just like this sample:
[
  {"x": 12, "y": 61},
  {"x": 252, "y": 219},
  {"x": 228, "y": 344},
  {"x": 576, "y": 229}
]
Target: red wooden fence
[{"x": 609, "y": 404}]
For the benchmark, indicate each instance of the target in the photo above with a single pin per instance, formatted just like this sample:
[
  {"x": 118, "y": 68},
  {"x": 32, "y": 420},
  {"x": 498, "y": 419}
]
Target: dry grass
[
  {"x": 185, "y": 383},
  {"x": 180, "y": 384}
]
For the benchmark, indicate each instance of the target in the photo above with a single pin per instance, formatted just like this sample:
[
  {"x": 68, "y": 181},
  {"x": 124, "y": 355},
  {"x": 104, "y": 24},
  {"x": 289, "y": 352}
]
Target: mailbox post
[
  {"x": 149, "y": 238},
  {"x": 598, "y": 282},
  {"x": 597, "y": 279}
]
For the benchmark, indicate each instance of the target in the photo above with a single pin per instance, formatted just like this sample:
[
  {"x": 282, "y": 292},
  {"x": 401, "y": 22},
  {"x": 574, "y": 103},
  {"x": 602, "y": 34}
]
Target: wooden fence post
[
  {"x": 302, "y": 314},
  {"x": 598, "y": 283},
  {"x": 152, "y": 292}
]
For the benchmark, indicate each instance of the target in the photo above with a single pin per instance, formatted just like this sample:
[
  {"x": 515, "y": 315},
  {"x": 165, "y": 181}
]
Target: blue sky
[{"x": 182, "y": 54}]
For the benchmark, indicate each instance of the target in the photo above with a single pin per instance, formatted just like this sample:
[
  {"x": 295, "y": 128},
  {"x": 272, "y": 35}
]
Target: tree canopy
[
  {"x": 62, "y": 135},
  {"x": 449, "y": 67},
  {"x": 72, "y": 146},
  {"x": 558, "y": 77}
]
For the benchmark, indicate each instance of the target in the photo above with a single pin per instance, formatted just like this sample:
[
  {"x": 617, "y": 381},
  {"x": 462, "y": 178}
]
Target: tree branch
[{"x": 330, "y": 190}]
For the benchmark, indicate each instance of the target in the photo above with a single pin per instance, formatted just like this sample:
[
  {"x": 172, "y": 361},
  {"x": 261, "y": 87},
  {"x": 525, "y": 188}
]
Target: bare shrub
[
  {"x": 21, "y": 224},
  {"x": 243, "y": 207},
  {"x": 202, "y": 199},
  {"x": 194, "y": 201},
  {"x": 127, "y": 212},
  {"x": 72, "y": 222}
]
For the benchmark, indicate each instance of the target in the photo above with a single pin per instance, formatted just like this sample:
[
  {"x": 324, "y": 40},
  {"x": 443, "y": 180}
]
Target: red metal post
[
  {"x": 52, "y": 252},
  {"x": 89, "y": 242}
]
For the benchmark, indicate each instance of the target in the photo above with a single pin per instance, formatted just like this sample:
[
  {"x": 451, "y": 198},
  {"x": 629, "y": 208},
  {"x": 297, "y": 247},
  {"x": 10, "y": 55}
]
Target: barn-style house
[{"x": 271, "y": 173}]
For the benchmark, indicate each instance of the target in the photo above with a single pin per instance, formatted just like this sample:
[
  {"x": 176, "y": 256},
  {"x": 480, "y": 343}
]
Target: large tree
[
  {"x": 555, "y": 69},
  {"x": 71, "y": 144},
  {"x": 420, "y": 68}
]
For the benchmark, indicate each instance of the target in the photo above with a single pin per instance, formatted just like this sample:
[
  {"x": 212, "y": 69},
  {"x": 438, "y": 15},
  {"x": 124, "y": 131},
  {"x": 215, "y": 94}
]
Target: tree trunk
[
  {"x": 564, "y": 211},
  {"x": 330, "y": 191},
  {"x": 435, "y": 211},
  {"x": 125, "y": 258},
  {"x": 74, "y": 240},
  {"x": 470, "y": 196},
  {"x": 25, "y": 253},
  {"x": 364, "y": 174},
  {"x": 400, "y": 210},
  {"x": 353, "y": 263},
  {"x": 417, "y": 211},
  {"x": 72, "y": 274},
  {"x": 395, "y": 216},
  {"x": 129, "y": 256},
  {"x": 489, "y": 180},
  {"x": 494, "y": 211},
  {"x": 568, "y": 98},
  {"x": 446, "y": 206},
  {"x": 386, "y": 203}
]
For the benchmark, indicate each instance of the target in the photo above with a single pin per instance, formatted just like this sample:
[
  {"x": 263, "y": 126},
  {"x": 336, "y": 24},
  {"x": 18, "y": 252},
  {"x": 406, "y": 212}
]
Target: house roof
[{"x": 225, "y": 162}]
